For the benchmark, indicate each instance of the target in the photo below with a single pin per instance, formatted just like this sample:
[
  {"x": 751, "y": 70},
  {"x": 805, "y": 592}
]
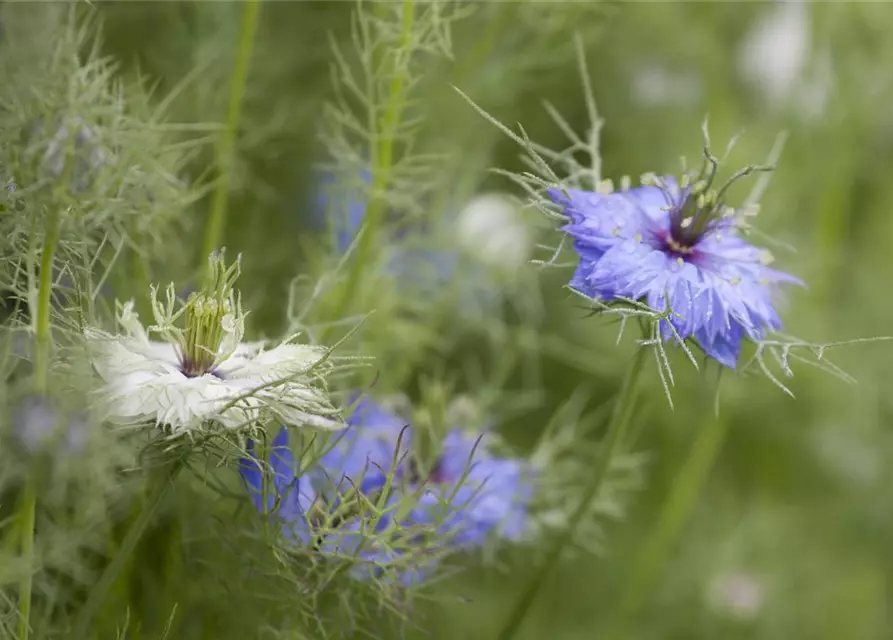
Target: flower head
[
  {"x": 366, "y": 498},
  {"x": 468, "y": 492},
  {"x": 485, "y": 493},
  {"x": 677, "y": 244},
  {"x": 334, "y": 520},
  {"x": 202, "y": 372},
  {"x": 375, "y": 444}
]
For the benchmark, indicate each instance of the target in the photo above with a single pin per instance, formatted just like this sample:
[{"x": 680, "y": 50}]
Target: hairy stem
[
  {"x": 620, "y": 417},
  {"x": 652, "y": 557},
  {"x": 382, "y": 160},
  {"x": 162, "y": 485},
  {"x": 225, "y": 147},
  {"x": 27, "y": 509}
]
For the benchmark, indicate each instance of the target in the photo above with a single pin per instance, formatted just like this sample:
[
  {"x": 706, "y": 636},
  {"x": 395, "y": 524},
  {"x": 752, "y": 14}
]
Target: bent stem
[
  {"x": 27, "y": 510},
  {"x": 616, "y": 428},
  {"x": 225, "y": 146},
  {"x": 678, "y": 506},
  {"x": 163, "y": 483}
]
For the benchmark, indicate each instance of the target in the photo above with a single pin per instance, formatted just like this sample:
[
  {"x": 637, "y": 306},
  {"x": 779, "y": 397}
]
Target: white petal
[{"x": 278, "y": 363}]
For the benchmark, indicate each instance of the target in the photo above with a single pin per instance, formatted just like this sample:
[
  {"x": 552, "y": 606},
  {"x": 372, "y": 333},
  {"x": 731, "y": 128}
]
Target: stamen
[{"x": 200, "y": 349}]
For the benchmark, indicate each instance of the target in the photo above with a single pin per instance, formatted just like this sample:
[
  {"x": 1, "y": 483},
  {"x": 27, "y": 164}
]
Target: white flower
[
  {"x": 490, "y": 227},
  {"x": 207, "y": 374},
  {"x": 737, "y": 594},
  {"x": 775, "y": 56}
]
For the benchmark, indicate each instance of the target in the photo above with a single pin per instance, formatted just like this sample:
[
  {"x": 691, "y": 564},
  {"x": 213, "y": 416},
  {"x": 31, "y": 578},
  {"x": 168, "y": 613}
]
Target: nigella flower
[
  {"x": 375, "y": 444},
  {"x": 482, "y": 493},
  {"x": 467, "y": 492},
  {"x": 203, "y": 372},
  {"x": 676, "y": 244},
  {"x": 315, "y": 515}
]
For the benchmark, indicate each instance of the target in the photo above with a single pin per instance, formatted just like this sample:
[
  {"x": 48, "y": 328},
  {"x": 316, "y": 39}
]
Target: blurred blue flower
[
  {"x": 332, "y": 521},
  {"x": 287, "y": 495},
  {"x": 470, "y": 493},
  {"x": 40, "y": 425},
  {"x": 676, "y": 244},
  {"x": 481, "y": 493},
  {"x": 348, "y": 215},
  {"x": 367, "y": 451},
  {"x": 412, "y": 253}
]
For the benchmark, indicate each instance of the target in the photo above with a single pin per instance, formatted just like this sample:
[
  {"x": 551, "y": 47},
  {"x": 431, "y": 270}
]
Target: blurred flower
[
  {"x": 483, "y": 493},
  {"x": 367, "y": 451},
  {"x": 678, "y": 245},
  {"x": 38, "y": 423},
  {"x": 491, "y": 229},
  {"x": 737, "y": 594},
  {"x": 73, "y": 149},
  {"x": 424, "y": 258},
  {"x": 655, "y": 85},
  {"x": 774, "y": 57},
  {"x": 338, "y": 523},
  {"x": 347, "y": 215},
  {"x": 204, "y": 372},
  {"x": 468, "y": 493}
]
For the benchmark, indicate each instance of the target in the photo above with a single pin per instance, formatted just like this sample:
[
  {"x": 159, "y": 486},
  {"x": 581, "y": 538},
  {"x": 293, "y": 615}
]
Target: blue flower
[
  {"x": 482, "y": 494},
  {"x": 287, "y": 495},
  {"x": 676, "y": 244},
  {"x": 327, "y": 518},
  {"x": 367, "y": 451},
  {"x": 347, "y": 220},
  {"x": 470, "y": 493}
]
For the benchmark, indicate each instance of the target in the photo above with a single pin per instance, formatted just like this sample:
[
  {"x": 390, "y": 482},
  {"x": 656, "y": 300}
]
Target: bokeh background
[{"x": 792, "y": 532}]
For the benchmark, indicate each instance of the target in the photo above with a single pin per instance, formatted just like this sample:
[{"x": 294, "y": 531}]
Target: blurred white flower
[
  {"x": 491, "y": 228},
  {"x": 775, "y": 55},
  {"x": 655, "y": 85},
  {"x": 738, "y": 594},
  {"x": 204, "y": 373}
]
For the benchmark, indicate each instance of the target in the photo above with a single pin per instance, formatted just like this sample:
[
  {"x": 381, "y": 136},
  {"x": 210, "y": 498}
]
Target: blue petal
[{"x": 366, "y": 450}]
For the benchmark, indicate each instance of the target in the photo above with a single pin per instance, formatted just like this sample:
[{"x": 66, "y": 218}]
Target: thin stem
[
  {"x": 382, "y": 162},
  {"x": 653, "y": 555},
  {"x": 44, "y": 292},
  {"x": 42, "y": 345},
  {"x": 616, "y": 428},
  {"x": 163, "y": 483},
  {"x": 225, "y": 146}
]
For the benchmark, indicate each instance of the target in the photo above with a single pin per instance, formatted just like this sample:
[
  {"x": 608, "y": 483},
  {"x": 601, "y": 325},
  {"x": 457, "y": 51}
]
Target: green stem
[
  {"x": 98, "y": 594},
  {"x": 42, "y": 346},
  {"x": 620, "y": 417},
  {"x": 225, "y": 146},
  {"x": 658, "y": 545},
  {"x": 382, "y": 161}
]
